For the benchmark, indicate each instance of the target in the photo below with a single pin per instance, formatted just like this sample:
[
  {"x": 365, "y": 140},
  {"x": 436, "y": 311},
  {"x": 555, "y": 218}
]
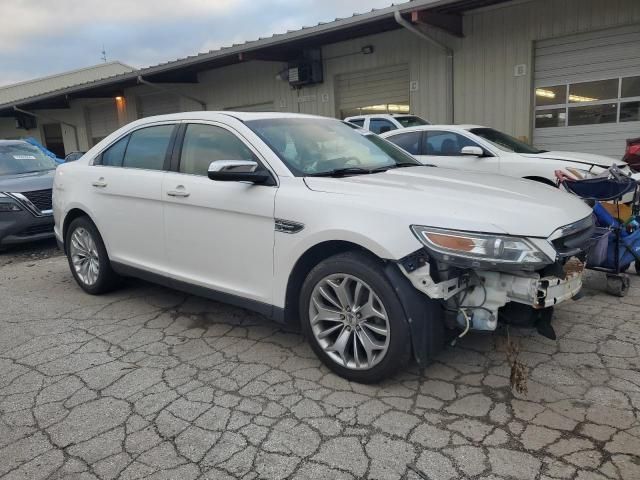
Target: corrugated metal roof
[
  {"x": 275, "y": 40},
  {"x": 38, "y": 86}
]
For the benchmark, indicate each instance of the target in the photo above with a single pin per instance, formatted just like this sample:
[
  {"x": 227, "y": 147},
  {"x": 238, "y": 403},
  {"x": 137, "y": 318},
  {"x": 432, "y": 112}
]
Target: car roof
[
  {"x": 433, "y": 127},
  {"x": 369, "y": 115},
  {"x": 215, "y": 115}
]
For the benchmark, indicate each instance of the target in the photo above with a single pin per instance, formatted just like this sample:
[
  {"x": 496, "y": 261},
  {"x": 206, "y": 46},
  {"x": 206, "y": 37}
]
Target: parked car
[
  {"x": 310, "y": 221},
  {"x": 483, "y": 149},
  {"x": 386, "y": 122},
  {"x": 26, "y": 180},
  {"x": 632, "y": 154}
]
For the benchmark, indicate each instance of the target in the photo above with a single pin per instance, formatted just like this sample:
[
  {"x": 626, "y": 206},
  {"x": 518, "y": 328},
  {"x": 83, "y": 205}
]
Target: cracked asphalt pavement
[{"x": 149, "y": 383}]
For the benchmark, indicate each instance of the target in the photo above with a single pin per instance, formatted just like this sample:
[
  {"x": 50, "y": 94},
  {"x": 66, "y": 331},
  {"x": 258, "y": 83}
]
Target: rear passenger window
[
  {"x": 380, "y": 125},
  {"x": 204, "y": 144},
  {"x": 409, "y": 142},
  {"x": 112, "y": 156},
  {"x": 147, "y": 148}
]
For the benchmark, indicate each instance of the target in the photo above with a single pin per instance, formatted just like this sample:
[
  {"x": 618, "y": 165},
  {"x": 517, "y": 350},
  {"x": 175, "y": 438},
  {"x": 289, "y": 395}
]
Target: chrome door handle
[
  {"x": 178, "y": 193},
  {"x": 99, "y": 184}
]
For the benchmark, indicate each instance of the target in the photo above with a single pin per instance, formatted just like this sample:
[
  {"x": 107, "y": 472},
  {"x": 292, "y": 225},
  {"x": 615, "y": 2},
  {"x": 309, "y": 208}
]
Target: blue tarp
[{"x": 48, "y": 153}]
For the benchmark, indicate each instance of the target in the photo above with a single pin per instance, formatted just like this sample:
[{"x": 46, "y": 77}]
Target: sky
[{"x": 44, "y": 37}]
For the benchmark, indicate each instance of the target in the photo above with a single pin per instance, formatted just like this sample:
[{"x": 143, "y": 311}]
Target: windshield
[
  {"x": 16, "y": 158},
  {"x": 504, "y": 141},
  {"x": 411, "y": 121},
  {"x": 314, "y": 146}
]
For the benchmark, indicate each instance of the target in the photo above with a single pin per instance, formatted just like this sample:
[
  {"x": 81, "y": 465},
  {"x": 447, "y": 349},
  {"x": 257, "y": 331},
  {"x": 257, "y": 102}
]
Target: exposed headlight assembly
[{"x": 481, "y": 250}]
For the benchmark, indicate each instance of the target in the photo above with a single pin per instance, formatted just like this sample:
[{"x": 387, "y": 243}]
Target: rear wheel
[
  {"x": 88, "y": 259},
  {"x": 353, "y": 318}
]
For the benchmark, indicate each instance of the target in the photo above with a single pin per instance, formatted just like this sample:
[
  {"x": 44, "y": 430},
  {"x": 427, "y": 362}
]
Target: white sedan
[
  {"x": 484, "y": 149},
  {"x": 308, "y": 220}
]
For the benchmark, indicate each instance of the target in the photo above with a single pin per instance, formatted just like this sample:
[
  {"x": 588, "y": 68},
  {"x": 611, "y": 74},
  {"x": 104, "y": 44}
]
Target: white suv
[
  {"x": 387, "y": 122},
  {"x": 310, "y": 221}
]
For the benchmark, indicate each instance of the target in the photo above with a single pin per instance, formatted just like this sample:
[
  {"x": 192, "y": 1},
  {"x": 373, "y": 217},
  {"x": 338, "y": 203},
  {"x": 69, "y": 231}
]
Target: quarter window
[
  {"x": 446, "y": 144},
  {"x": 113, "y": 156},
  {"x": 380, "y": 125},
  {"x": 147, "y": 148},
  {"x": 409, "y": 142},
  {"x": 204, "y": 144},
  {"x": 358, "y": 121}
]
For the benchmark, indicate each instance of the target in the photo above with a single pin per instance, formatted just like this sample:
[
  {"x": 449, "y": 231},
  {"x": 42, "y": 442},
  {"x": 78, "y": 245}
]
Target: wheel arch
[
  {"x": 71, "y": 215},
  {"x": 307, "y": 261},
  {"x": 537, "y": 178}
]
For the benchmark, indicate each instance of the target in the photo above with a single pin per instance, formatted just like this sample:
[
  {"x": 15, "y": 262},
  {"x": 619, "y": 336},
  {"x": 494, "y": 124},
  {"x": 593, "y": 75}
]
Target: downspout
[
  {"x": 172, "y": 92},
  {"x": 37, "y": 115},
  {"x": 447, "y": 50}
]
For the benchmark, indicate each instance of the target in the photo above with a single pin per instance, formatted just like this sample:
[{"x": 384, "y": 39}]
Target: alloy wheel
[
  {"x": 84, "y": 256},
  {"x": 349, "y": 321}
]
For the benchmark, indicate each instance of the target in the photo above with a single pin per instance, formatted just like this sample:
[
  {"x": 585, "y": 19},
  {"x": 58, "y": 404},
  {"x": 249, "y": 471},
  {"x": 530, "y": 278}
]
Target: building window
[
  {"x": 593, "y": 114},
  {"x": 588, "y": 103},
  {"x": 593, "y": 91},
  {"x": 553, "y": 117},
  {"x": 630, "y": 87},
  {"x": 551, "y": 95},
  {"x": 630, "y": 112}
]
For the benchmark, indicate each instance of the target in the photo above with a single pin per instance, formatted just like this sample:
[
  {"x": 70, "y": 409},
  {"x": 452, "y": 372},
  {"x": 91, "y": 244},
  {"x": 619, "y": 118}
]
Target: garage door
[
  {"x": 383, "y": 90},
  {"x": 102, "y": 120},
  {"x": 159, "y": 103},
  {"x": 587, "y": 91},
  {"x": 256, "y": 107}
]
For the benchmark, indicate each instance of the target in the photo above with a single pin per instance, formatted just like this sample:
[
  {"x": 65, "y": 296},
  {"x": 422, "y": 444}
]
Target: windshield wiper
[{"x": 341, "y": 172}]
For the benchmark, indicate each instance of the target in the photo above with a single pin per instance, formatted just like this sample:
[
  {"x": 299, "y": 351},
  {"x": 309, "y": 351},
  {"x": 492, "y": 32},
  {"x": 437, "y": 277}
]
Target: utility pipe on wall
[
  {"x": 448, "y": 52},
  {"x": 172, "y": 92}
]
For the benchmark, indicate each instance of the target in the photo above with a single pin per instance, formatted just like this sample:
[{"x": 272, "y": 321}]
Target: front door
[
  {"x": 219, "y": 234},
  {"x": 444, "y": 149}
]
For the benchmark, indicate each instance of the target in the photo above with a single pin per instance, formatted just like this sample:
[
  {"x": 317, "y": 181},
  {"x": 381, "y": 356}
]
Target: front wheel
[
  {"x": 88, "y": 259},
  {"x": 353, "y": 318}
]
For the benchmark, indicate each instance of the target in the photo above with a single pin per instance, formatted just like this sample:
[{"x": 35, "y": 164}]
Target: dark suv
[{"x": 26, "y": 182}]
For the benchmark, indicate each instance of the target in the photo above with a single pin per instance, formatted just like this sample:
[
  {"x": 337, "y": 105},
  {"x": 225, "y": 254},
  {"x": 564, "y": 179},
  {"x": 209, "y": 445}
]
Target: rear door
[
  {"x": 126, "y": 185},
  {"x": 443, "y": 148},
  {"x": 219, "y": 234}
]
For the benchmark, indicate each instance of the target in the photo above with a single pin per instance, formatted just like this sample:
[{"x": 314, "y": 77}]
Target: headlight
[
  {"x": 478, "y": 250},
  {"x": 9, "y": 207}
]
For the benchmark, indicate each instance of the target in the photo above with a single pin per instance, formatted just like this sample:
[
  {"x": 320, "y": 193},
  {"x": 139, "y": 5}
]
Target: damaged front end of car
[{"x": 482, "y": 279}]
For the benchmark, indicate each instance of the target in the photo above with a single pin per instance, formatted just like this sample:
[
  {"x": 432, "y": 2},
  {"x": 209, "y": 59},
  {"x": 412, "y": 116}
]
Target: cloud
[{"x": 68, "y": 34}]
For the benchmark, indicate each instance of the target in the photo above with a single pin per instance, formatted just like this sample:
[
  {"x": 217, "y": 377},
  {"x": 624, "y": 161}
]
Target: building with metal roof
[{"x": 563, "y": 74}]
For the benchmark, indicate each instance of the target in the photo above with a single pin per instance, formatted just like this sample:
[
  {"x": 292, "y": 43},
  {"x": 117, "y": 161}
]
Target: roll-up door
[
  {"x": 587, "y": 91},
  {"x": 381, "y": 90}
]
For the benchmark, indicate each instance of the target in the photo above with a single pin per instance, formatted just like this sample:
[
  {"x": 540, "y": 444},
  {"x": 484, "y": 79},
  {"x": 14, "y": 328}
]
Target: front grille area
[
  {"x": 40, "y": 198},
  {"x": 36, "y": 230}
]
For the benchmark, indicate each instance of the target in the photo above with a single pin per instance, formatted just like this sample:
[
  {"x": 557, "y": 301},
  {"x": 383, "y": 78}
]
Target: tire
[
  {"x": 618, "y": 285},
  {"x": 105, "y": 278},
  {"x": 357, "y": 325}
]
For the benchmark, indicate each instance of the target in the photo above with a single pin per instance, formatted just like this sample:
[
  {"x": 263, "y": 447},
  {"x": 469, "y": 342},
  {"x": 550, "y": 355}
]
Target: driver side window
[
  {"x": 204, "y": 144},
  {"x": 445, "y": 144}
]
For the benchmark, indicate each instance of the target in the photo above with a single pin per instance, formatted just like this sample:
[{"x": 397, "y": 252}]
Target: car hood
[
  {"x": 27, "y": 182},
  {"x": 453, "y": 199},
  {"x": 583, "y": 158}
]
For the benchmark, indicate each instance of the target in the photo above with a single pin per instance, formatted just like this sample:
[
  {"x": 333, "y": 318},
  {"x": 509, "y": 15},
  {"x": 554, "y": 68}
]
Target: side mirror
[
  {"x": 237, "y": 171},
  {"x": 472, "y": 150}
]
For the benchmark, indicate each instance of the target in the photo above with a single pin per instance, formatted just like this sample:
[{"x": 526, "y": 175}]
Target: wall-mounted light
[
  {"x": 119, "y": 98},
  {"x": 367, "y": 50}
]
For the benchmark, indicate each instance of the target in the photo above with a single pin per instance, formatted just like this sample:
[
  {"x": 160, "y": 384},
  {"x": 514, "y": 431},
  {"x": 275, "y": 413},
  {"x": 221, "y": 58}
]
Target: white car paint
[
  {"x": 221, "y": 235},
  {"x": 499, "y": 160},
  {"x": 391, "y": 120}
]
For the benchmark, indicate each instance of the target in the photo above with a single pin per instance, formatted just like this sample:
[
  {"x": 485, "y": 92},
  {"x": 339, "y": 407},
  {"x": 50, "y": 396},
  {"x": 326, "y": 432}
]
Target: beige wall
[{"x": 498, "y": 39}]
